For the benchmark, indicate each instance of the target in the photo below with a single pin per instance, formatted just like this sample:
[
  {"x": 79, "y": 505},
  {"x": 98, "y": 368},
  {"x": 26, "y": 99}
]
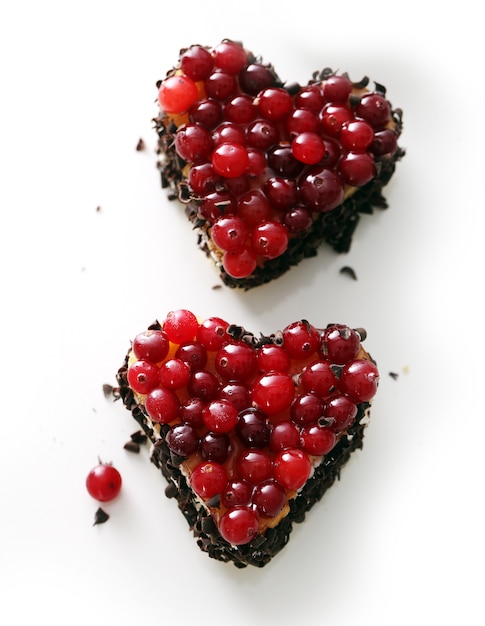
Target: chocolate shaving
[
  {"x": 346, "y": 269},
  {"x": 140, "y": 145},
  {"x": 132, "y": 446},
  {"x": 139, "y": 437},
  {"x": 394, "y": 375},
  {"x": 100, "y": 517}
]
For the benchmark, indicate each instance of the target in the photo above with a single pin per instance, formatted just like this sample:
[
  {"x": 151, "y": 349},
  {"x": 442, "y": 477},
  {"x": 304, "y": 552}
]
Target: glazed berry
[
  {"x": 306, "y": 408},
  {"x": 269, "y": 239},
  {"x": 308, "y": 147},
  {"x": 180, "y": 326},
  {"x": 273, "y": 393},
  {"x": 211, "y": 333},
  {"x": 254, "y": 466},
  {"x": 316, "y": 440},
  {"x": 281, "y": 192},
  {"x": 283, "y": 162},
  {"x": 384, "y": 142},
  {"x": 239, "y": 525},
  {"x": 357, "y": 168},
  {"x": 177, "y": 94},
  {"x": 252, "y": 428},
  {"x": 220, "y": 85},
  {"x": 215, "y": 447},
  {"x": 230, "y": 56},
  {"x": 300, "y": 339},
  {"x": 208, "y": 479},
  {"x": 193, "y": 354},
  {"x": 359, "y": 380},
  {"x": 237, "y": 393},
  {"x": 215, "y": 204},
  {"x": 235, "y": 361},
  {"x": 174, "y": 373},
  {"x": 193, "y": 143},
  {"x": 336, "y": 89},
  {"x": 230, "y": 232},
  {"x": 254, "y": 208},
  {"x": 310, "y": 98},
  {"x": 182, "y": 440},
  {"x": 283, "y": 436},
  {"x": 151, "y": 345},
  {"x": 356, "y": 135},
  {"x": 319, "y": 377},
  {"x": 339, "y": 343},
  {"x": 333, "y": 116},
  {"x": 298, "y": 219},
  {"x": 203, "y": 179},
  {"x": 236, "y": 493},
  {"x": 339, "y": 412},
  {"x": 190, "y": 412},
  {"x": 162, "y": 405},
  {"x": 254, "y": 78},
  {"x": 302, "y": 121},
  {"x": 227, "y": 132},
  {"x": 274, "y": 103},
  {"x": 220, "y": 416},
  {"x": 269, "y": 498},
  {"x": 103, "y": 482},
  {"x": 322, "y": 189},
  {"x": 207, "y": 112},
  {"x": 196, "y": 62},
  {"x": 292, "y": 468},
  {"x": 374, "y": 109},
  {"x": 143, "y": 376},
  {"x": 204, "y": 385},
  {"x": 240, "y": 109},
  {"x": 272, "y": 357},
  {"x": 262, "y": 134},
  {"x": 240, "y": 263}
]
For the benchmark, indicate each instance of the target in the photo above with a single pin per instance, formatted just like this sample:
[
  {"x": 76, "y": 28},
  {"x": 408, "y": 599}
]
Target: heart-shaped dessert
[
  {"x": 248, "y": 431},
  {"x": 267, "y": 170}
]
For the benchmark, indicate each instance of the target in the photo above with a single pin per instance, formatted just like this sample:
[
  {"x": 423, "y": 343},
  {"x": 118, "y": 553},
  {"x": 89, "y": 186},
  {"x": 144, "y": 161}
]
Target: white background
[{"x": 399, "y": 540}]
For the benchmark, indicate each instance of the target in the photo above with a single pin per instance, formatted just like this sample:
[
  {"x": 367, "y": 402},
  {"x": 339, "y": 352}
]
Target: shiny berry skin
[
  {"x": 143, "y": 376},
  {"x": 180, "y": 326},
  {"x": 182, "y": 440},
  {"x": 177, "y": 94},
  {"x": 207, "y": 112},
  {"x": 193, "y": 143},
  {"x": 190, "y": 412},
  {"x": 359, "y": 380},
  {"x": 103, "y": 482},
  {"x": 300, "y": 339},
  {"x": 271, "y": 357},
  {"x": 254, "y": 466},
  {"x": 203, "y": 384},
  {"x": 384, "y": 142},
  {"x": 292, "y": 468},
  {"x": 211, "y": 333},
  {"x": 230, "y": 56},
  {"x": 208, "y": 479},
  {"x": 298, "y": 219},
  {"x": 322, "y": 189},
  {"x": 203, "y": 179},
  {"x": 227, "y": 132},
  {"x": 196, "y": 62},
  {"x": 192, "y": 354},
  {"x": 274, "y": 103},
  {"x": 273, "y": 393},
  {"x": 151, "y": 345},
  {"x": 333, "y": 116},
  {"x": 269, "y": 498},
  {"x": 308, "y": 147},
  {"x": 310, "y": 98},
  {"x": 336, "y": 89},
  {"x": 339, "y": 412},
  {"x": 356, "y": 135},
  {"x": 316, "y": 440},
  {"x": 252, "y": 428},
  {"x": 262, "y": 134},
  {"x": 240, "y": 263},
  {"x": 236, "y": 361},
  {"x": 237, "y": 393},
  {"x": 281, "y": 192},
  {"x": 339, "y": 343},
  {"x": 306, "y": 408},
  {"x": 162, "y": 405},
  {"x": 254, "y": 208},
  {"x": 374, "y": 109},
  {"x": 220, "y": 416},
  {"x": 254, "y": 78},
  {"x": 270, "y": 239},
  {"x": 319, "y": 377},
  {"x": 357, "y": 168},
  {"x": 283, "y": 436},
  {"x": 239, "y": 525},
  {"x": 220, "y": 85},
  {"x": 230, "y": 232},
  {"x": 240, "y": 109},
  {"x": 174, "y": 373},
  {"x": 302, "y": 121},
  {"x": 236, "y": 493},
  {"x": 215, "y": 447}
]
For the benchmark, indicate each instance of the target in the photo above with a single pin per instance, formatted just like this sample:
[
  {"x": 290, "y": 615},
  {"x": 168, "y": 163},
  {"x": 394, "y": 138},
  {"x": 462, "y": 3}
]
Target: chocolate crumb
[
  {"x": 139, "y": 437},
  {"x": 100, "y": 517},
  {"x": 132, "y": 446},
  {"x": 346, "y": 269},
  {"x": 140, "y": 145},
  {"x": 394, "y": 375},
  {"x": 215, "y": 287},
  {"x": 98, "y": 209},
  {"x": 108, "y": 390}
]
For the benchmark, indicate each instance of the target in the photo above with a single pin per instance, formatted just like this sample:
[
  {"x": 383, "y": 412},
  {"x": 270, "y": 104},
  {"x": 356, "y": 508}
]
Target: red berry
[
  {"x": 193, "y": 143},
  {"x": 252, "y": 428},
  {"x": 211, "y": 333},
  {"x": 254, "y": 466},
  {"x": 240, "y": 263},
  {"x": 356, "y": 135},
  {"x": 229, "y": 232},
  {"x": 284, "y": 435},
  {"x": 208, "y": 479},
  {"x": 319, "y": 377},
  {"x": 177, "y": 94},
  {"x": 220, "y": 416},
  {"x": 239, "y": 525},
  {"x": 306, "y": 408},
  {"x": 333, "y": 117},
  {"x": 339, "y": 412},
  {"x": 162, "y": 405},
  {"x": 204, "y": 385},
  {"x": 230, "y": 56},
  {"x": 196, "y": 62},
  {"x": 236, "y": 361},
  {"x": 192, "y": 354},
  {"x": 322, "y": 189},
  {"x": 215, "y": 447},
  {"x": 374, "y": 109},
  {"x": 273, "y": 393},
  {"x": 151, "y": 345},
  {"x": 339, "y": 343},
  {"x": 316, "y": 440},
  {"x": 270, "y": 239},
  {"x": 237, "y": 492},
  {"x": 357, "y": 168},
  {"x": 359, "y": 380},
  {"x": 269, "y": 498},
  {"x": 308, "y": 147},
  {"x": 272, "y": 357},
  {"x": 182, "y": 440},
  {"x": 180, "y": 326},
  {"x": 143, "y": 376},
  {"x": 207, "y": 112},
  {"x": 292, "y": 468},
  {"x": 254, "y": 78},
  {"x": 103, "y": 482},
  {"x": 336, "y": 89},
  {"x": 220, "y": 84},
  {"x": 254, "y": 208},
  {"x": 274, "y": 103},
  {"x": 174, "y": 374},
  {"x": 300, "y": 339}
]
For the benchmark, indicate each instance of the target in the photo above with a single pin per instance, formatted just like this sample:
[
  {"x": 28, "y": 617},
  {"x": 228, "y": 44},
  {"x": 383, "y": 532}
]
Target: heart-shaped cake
[
  {"x": 268, "y": 171},
  {"x": 249, "y": 431}
]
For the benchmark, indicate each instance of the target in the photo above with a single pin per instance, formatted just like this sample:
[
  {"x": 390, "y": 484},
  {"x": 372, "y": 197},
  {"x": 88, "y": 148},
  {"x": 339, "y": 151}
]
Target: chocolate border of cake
[
  {"x": 335, "y": 228},
  {"x": 260, "y": 551}
]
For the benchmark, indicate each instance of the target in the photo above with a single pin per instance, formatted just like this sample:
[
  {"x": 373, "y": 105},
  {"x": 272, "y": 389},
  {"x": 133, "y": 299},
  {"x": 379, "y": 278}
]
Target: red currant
[
  {"x": 229, "y": 232},
  {"x": 300, "y": 339},
  {"x": 270, "y": 239},
  {"x": 182, "y": 440},
  {"x": 308, "y": 147},
  {"x": 292, "y": 468},
  {"x": 274, "y": 103},
  {"x": 151, "y": 345},
  {"x": 239, "y": 525},
  {"x": 220, "y": 416},
  {"x": 316, "y": 440},
  {"x": 273, "y": 392},
  {"x": 269, "y": 498},
  {"x": 180, "y": 326},
  {"x": 359, "y": 380},
  {"x": 162, "y": 405},
  {"x": 322, "y": 189},
  {"x": 143, "y": 376},
  {"x": 177, "y": 94},
  {"x": 208, "y": 479},
  {"x": 174, "y": 374},
  {"x": 103, "y": 482},
  {"x": 196, "y": 62}
]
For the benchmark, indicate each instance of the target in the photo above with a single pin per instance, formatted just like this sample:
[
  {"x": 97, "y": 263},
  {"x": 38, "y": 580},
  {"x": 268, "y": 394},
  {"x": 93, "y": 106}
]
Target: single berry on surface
[{"x": 103, "y": 482}]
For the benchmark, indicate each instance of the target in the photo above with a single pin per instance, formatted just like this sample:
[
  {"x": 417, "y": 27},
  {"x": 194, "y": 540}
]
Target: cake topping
[
  {"x": 272, "y": 156},
  {"x": 247, "y": 419}
]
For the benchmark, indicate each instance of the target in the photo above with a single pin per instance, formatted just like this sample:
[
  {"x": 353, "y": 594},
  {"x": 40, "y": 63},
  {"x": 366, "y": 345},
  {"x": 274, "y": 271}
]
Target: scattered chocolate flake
[
  {"x": 140, "y": 145},
  {"x": 215, "y": 287},
  {"x": 346, "y": 269},
  {"x": 108, "y": 390},
  {"x": 394, "y": 375},
  {"x": 98, "y": 209},
  {"x": 139, "y": 437},
  {"x": 100, "y": 517},
  {"x": 132, "y": 446}
]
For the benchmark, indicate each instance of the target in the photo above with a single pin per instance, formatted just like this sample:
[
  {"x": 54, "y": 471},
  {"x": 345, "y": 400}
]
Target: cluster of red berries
[
  {"x": 264, "y": 159},
  {"x": 249, "y": 416}
]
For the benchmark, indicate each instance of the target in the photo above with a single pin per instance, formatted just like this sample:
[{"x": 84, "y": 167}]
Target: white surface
[{"x": 400, "y": 539}]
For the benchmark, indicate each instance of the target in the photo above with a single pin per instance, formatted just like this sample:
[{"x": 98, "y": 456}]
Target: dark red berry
[{"x": 103, "y": 482}]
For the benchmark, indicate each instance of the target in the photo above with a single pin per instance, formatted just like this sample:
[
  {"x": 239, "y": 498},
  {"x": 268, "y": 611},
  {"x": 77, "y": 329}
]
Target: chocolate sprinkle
[
  {"x": 132, "y": 446},
  {"x": 394, "y": 375},
  {"x": 349, "y": 271},
  {"x": 100, "y": 517},
  {"x": 140, "y": 145}
]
